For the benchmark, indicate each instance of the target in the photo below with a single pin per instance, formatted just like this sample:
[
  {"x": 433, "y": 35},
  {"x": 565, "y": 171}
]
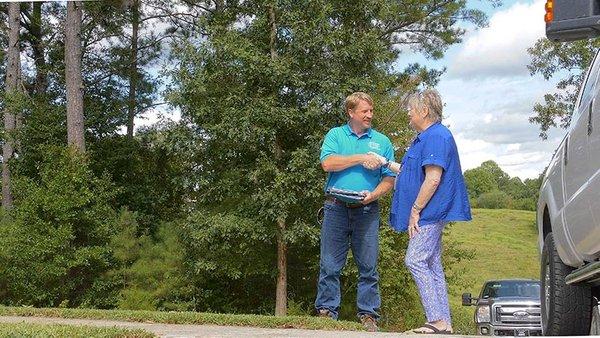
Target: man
[
  {"x": 430, "y": 192},
  {"x": 348, "y": 223}
]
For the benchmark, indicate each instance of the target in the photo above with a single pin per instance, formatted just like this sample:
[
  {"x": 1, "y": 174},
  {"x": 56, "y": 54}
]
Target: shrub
[
  {"x": 525, "y": 204},
  {"x": 153, "y": 271},
  {"x": 494, "y": 200},
  {"x": 53, "y": 243}
]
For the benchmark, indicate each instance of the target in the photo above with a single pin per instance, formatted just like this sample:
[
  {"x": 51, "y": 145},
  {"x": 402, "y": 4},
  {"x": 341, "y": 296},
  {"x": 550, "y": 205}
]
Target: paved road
[{"x": 181, "y": 330}]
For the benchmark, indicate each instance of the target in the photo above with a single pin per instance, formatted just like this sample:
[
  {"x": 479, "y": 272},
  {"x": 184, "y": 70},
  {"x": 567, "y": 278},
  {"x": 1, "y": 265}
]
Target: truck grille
[{"x": 517, "y": 314}]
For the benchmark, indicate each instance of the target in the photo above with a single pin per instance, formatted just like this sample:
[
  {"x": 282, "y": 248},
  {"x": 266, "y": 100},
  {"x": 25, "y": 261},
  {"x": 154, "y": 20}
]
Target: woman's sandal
[{"x": 432, "y": 330}]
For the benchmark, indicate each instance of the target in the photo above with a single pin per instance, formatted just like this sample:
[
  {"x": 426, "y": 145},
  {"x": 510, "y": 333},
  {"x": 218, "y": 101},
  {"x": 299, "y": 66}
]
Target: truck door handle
[{"x": 590, "y": 127}]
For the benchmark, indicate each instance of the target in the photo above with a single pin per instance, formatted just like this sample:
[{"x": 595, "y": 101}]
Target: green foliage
[
  {"x": 490, "y": 187},
  {"x": 53, "y": 243},
  {"x": 134, "y": 166},
  {"x": 229, "y": 259},
  {"x": 567, "y": 60},
  {"x": 479, "y": 181},
  {"x": 152, "y": 271},
  {"x": 525, "y": 204},
  {"x": 495, "y": 199}
]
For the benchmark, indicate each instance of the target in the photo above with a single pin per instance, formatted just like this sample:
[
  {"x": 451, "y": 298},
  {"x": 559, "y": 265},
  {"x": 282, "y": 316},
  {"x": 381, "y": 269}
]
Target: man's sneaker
[
  {"x": 324, "y": 313},
  {"x": 369, "y": 323}
]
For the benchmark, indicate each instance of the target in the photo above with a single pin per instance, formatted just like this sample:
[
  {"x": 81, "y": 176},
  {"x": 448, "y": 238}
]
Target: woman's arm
[{"x": 433, "y": 176}]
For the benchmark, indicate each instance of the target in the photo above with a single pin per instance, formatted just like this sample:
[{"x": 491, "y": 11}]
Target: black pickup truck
[{"x": 509, "y": 307}]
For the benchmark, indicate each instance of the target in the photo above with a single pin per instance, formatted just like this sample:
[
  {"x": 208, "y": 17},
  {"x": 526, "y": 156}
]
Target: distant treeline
[{"x": 491, "y": 188}]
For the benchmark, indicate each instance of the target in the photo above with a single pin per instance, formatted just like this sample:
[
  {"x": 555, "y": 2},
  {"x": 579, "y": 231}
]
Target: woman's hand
[
  {"x": 413, "y": 223},
  {"x": 371, "y": 161}
]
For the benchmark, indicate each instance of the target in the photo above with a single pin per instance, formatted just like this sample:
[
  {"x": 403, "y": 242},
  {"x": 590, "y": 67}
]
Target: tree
[
  {"x": 13, "y": 83},
  {"x": 35, "y": 37},
  {"x": 500, "y": 177},
  {"x": 133, "y": 70},
  {"x": 267, "y": 80},
  {"x": 569, "y": 60},
  {"x": 479, "y": 181},
  {"x": 75, "y": 126}
]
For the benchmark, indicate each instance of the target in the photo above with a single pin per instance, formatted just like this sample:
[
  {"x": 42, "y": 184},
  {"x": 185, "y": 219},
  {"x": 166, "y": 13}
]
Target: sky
[
  {"x": 487, "y": 90},
  {"x": 489, "y": 94}
]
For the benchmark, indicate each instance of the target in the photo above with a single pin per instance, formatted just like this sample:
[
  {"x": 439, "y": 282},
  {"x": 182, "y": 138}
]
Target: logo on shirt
[{"x": 374, "y": 146}]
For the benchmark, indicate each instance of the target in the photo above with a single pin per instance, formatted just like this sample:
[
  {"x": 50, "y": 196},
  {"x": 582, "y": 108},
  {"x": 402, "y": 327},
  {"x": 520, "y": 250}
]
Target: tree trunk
[
  {"x": 12, "y": 88},
  {"x": 75, "y": 127},
  {"x": 281, "y": 289},
  {"x": 41, "y": 81},
  {"x": 133, "y": 69}
]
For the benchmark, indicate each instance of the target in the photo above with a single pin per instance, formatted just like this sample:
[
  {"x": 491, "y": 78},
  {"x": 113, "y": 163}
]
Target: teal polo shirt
[{"x": 343, "y": 141}]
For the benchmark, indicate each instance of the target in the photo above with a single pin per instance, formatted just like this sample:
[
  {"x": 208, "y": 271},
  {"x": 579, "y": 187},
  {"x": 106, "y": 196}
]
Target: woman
[{"x": 429, "y": 192}]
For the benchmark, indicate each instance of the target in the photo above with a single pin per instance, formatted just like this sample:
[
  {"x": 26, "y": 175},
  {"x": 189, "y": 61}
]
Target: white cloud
[
  {"x": 501, "y": 48},
  {"x": 489, "y": 119},
  {"x": 513, "y": 147}
]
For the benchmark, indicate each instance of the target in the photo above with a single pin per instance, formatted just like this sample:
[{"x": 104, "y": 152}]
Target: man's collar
[{"x": 349, "y": 131}]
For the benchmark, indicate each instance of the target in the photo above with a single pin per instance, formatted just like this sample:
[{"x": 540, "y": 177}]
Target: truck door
[
  {"x": 591, "y": 247},
  {"x": 577, "y": 167}
]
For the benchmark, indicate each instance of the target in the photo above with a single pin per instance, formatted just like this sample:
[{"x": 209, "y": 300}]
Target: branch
[
  {"x": 168, "y": 15},
  {"x": 405, "y": 24},
  {"x": 155, "y": 42},
  {"x": 152, "y": 105}
]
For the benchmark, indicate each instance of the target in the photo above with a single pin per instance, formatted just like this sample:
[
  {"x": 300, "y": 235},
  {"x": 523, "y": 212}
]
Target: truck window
[
  {"x": 527, "y": 289},
  {"x": 590, "y": 81}
]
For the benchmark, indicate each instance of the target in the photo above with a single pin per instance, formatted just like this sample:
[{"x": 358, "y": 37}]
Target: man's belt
[{"x": 346, "y": 204}]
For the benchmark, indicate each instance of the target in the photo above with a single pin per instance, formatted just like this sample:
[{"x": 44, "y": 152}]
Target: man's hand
[
  {"x": 413, "y": 223},
  {"x": 369, "y": 197},
  {"x": 382, "y": 160},
  {"x": 373, "y": 161}
]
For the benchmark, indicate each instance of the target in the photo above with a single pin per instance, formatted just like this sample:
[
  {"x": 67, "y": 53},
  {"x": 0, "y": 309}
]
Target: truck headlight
[{"x": 482, "y": 315}]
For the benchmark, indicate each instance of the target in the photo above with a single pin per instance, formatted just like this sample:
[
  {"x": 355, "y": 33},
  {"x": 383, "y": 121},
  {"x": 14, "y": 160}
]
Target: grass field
[
  {"x": 50, "y": 330},
  {"x": 504, "y": 243}
]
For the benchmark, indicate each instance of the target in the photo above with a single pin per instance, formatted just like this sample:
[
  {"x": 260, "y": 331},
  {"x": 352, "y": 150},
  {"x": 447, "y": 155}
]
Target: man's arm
[
  {"x": 386, "y": 184},
  {"x": 433, "y": 176},
  {"x": 334, "y": 162}
]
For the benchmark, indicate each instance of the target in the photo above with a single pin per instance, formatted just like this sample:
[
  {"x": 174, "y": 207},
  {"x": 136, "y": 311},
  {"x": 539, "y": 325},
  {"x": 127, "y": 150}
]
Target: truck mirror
[
  {"x": 466, "y": 299},
  {"x": 568, "y": 20}
]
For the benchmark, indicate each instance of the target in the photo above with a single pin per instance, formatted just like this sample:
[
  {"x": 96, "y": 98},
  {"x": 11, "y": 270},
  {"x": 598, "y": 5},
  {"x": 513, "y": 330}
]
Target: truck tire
[
  {"x": 595, "y": 329},
  {"x": 566, "y": 309}
]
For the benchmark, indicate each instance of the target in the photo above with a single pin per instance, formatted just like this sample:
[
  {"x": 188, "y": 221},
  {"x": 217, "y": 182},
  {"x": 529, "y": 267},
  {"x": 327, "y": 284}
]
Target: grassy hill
[{"x": 504, "y": 244}]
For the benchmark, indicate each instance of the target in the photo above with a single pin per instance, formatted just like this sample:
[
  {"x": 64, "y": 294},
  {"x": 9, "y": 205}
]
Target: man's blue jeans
[{"x": 345, "y": 228}]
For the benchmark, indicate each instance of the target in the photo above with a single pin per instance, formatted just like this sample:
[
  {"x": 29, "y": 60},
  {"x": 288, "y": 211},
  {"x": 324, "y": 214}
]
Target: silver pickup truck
[
  {"x": 509, "y": 307},
  {"x": 568, "y": 210}
]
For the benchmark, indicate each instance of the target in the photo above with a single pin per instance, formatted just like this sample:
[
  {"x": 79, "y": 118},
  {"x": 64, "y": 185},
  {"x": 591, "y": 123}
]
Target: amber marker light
[{"x": 549, "y": 11}]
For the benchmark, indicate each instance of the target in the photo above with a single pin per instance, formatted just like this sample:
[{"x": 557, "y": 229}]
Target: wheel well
[{"x": 547, "y": 227}]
